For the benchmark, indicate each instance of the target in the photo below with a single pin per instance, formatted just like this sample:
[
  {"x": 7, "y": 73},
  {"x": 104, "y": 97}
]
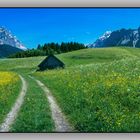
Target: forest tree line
[{"x": 50, "y": 48}]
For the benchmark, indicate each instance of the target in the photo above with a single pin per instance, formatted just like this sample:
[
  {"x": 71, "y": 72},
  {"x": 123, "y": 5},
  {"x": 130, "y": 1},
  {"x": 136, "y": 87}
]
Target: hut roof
[{"x": 47, "y": 59}]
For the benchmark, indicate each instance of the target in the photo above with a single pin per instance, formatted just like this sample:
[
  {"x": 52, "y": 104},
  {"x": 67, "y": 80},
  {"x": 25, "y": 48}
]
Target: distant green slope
[
  {"x": 85, "y": 56},
  {"x": 6, "y": 50},
  {"x": 98, "y": 55}
]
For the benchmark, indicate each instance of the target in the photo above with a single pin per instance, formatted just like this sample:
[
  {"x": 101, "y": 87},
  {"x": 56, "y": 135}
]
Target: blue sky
[{"x": 34, "y": 26}]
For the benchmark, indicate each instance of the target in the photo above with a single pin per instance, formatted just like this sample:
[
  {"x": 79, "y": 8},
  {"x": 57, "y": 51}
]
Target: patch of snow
[
  {"x": 105, "y": 35},
  {"x": 7, "y": 38},
  {"x": 125, "y": 40},
  {"x": 136, "y": 38},
  {"x": 99, "y": 41}
]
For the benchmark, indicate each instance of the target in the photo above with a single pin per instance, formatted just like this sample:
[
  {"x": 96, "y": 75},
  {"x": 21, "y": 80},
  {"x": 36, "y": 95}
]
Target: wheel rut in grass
[
  {"x": 11, "y": 116},
  {"x": 61, "y": 124}
]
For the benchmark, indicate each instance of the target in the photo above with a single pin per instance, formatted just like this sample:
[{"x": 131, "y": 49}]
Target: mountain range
[
  {"x": 122, "y": 37},
  {"x": 9, "y": 44}
]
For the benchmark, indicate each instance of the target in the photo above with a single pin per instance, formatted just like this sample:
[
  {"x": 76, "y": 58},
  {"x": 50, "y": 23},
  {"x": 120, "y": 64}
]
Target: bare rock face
[
  {"x": 123, "y": 37},
  {"x": 9, "y": 44},
  {"x": 6, "y": 38}
]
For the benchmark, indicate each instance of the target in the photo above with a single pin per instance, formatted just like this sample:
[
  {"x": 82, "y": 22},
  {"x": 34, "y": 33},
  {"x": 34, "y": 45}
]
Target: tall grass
[
  {"x": 98, "y": 97},
  {"x": 10, "y": 86}
]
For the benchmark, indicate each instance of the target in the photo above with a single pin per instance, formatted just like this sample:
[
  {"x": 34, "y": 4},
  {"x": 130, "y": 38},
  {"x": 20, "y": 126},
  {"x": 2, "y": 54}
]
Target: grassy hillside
[
  {"x": 85, "y": 56},
  {"x": 88, "y": 56},
  {"x": 98, "y": 97},
  {"x": 98, "y": 90}
]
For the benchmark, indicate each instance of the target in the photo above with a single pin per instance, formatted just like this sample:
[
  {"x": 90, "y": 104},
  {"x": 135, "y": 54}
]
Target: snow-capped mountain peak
[
  {"x": 7, "y": 38},
  {"x": 99, "y": 41},
  {"x": 105, "y": 35},
  {"x": 122, "y": 37}
]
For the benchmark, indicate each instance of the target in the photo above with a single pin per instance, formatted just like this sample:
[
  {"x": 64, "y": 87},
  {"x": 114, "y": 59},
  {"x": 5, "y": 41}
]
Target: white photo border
[{"x": 70, "y": 3}]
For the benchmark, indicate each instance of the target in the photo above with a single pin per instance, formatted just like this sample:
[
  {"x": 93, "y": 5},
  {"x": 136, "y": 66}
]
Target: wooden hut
[{"x": 50, "y": 62}]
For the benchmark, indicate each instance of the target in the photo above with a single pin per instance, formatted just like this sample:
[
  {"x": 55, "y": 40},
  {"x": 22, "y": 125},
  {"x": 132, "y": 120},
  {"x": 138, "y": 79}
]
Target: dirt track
[
  {"x": 61, "y": 124},
  {"x": 9, "y": 120}
]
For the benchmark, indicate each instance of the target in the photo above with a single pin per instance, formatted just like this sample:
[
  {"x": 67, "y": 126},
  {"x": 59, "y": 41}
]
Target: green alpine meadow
[
  {"x": 98, "y": 91},
  {"x": 70, "y": 70}
]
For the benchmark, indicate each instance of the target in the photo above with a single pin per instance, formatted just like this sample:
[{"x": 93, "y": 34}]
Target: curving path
[
  {"x": 5, "y": 127},
  {"x": 61, "y": 124}
]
